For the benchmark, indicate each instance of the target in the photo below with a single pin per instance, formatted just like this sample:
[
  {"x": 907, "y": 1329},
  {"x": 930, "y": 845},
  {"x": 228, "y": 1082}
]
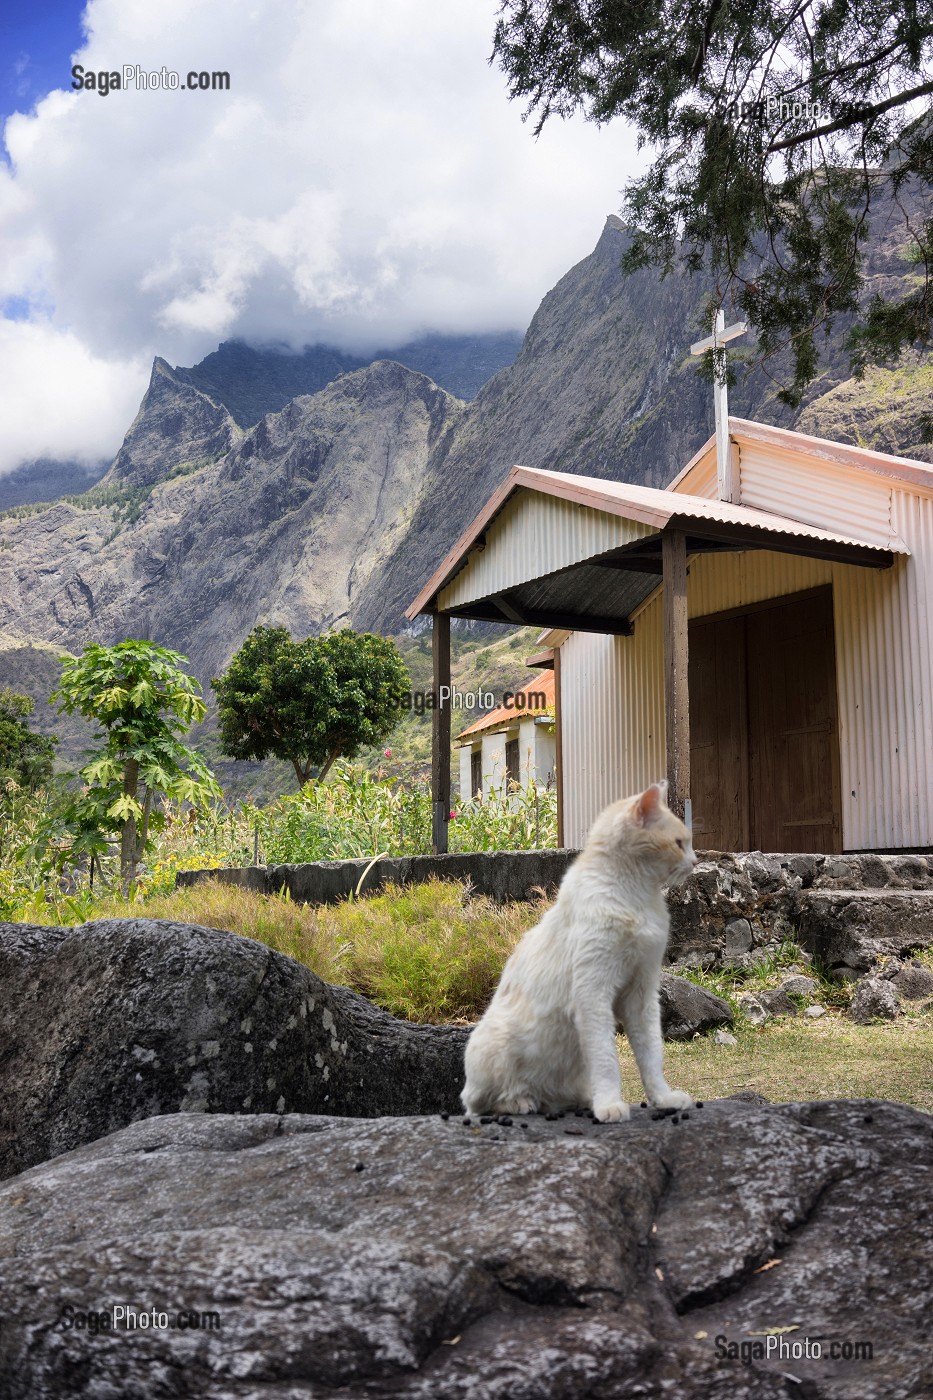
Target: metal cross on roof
[{"x": 726, "y": 478}]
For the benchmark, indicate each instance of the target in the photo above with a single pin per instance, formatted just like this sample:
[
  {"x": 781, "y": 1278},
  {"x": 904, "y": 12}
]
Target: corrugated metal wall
[
  {"x": 613, "y": 699},
  {"x": 830, "y": 495},
  {"x": 535, "y": 535}
]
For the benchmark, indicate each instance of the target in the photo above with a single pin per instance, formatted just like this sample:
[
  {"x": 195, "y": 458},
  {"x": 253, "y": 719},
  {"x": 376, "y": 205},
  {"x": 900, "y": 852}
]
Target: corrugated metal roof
[
  {"x": 649, "y": 506},
  {"x": 538, "y": 685}
]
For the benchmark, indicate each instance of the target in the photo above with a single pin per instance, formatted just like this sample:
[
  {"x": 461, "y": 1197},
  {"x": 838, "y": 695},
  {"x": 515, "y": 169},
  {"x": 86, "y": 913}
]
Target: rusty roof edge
[
  {"x": 907, "y": 469},
  {"x": 560, "y": 484}
]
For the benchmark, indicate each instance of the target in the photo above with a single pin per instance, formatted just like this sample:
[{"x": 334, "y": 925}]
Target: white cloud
[
  {"x": 364, "y": 179},
  {"x": 58, "y": 399}
]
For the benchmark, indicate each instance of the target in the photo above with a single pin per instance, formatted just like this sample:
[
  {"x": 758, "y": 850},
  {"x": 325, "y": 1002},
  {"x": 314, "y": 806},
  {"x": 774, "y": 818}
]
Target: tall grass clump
[{"x": 431, "y": 952}]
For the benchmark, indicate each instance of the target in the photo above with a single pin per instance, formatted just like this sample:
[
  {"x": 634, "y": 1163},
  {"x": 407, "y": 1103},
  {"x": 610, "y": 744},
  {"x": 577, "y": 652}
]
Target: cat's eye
[{"x": 682, "y": 843}]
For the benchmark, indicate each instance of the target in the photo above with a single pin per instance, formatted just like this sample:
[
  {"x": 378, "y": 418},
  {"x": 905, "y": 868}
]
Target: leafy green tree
[
  {"x": 143, "y": 702},
  {"x": 25, "y": 757},
  {"x": 309, "y": 702},
  {"x": 780, "y": 131}
]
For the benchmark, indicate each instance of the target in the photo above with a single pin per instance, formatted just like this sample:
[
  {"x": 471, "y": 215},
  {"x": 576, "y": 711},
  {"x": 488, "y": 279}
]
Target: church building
[{"x": 761, "y": 633}]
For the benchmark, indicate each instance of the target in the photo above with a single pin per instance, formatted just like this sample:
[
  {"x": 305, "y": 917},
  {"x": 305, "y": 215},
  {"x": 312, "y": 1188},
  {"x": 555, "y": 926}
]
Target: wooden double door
[{"x": 764, "y": 746}]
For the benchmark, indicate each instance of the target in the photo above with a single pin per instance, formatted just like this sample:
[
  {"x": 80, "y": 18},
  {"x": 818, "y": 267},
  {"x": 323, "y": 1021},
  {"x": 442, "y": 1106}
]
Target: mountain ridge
[{"x": 337, "y": 507}]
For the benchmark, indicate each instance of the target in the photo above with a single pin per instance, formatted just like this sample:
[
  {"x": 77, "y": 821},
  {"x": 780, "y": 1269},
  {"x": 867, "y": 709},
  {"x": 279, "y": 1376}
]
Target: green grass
[
  {"x": 794, "y": 1059},
  {"x": 429, "y": 952}
]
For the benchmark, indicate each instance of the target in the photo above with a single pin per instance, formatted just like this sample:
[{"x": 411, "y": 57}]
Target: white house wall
[
  {"x": 544, "y": 753},
  {"x": 466, "y": 777},
  {"x": 493, "y": 761},
  {"x": 534, "y": 535},
  {"x": 613, "y": 699}
]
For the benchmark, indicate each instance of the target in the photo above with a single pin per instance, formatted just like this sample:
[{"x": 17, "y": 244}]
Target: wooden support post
[
  {"x": 440, "y": 732},
  {"x": 558, "y": 750},
  {"x": 676, "y": 694}
]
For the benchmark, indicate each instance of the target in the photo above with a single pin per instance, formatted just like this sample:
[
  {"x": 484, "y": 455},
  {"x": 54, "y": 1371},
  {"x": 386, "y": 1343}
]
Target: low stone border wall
[
  {"x": 502, "y": 875},
  {"x": 733, "y": 910}
]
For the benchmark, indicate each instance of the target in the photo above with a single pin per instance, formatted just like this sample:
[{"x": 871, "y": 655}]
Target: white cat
[{"x": 547, "y": 1039}]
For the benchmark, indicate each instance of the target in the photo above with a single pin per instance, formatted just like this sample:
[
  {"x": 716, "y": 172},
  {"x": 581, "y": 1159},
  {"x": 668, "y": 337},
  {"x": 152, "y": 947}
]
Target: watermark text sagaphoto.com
[
  {"x": 106, "y": 80},
  {"x": 776, "y": 1348},
  {"x": 450, "y": 697},
  {"x": 124, "y": 1317}
]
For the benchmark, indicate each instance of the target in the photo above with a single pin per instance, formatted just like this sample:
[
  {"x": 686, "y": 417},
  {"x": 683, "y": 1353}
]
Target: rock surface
[
  {"x": 848, "y": 911},
  {"x": 118, "y": 1020},
  {"x": 427, "y": 1259},
  {"x": 913, "y": 981},
  {"x": 874, "y": 999},
  {"x": 688, "y": 1010}
]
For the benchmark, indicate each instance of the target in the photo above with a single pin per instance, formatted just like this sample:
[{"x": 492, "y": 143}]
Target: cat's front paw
[
  {"x": 673, "y": 1098},
  {"x": 612, "y": 1111}
]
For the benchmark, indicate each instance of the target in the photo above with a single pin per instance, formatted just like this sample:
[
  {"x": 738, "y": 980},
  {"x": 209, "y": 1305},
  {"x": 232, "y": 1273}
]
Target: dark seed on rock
[
  {"x": 551, "y": 1117},
  {"x": 578, "y": 1113},
  {"x": 466, "y": 1122},
  {"x": 643, "y": 1104},
  {"x": 504, "y": 1121},
  {"x": 869, "y": 1118},
  {"x": 699, "y": 1103},
  {"x": 657, "y": 1117},
  {"x": 675, "y": 1119},
  {"x": 523, "y": 1125},
  {"x": 359, "y": 1166},
  {"x": 486, "y": 1118},
  {"x": 444, "y": 1117},
  {"x": 685, "y": 1115}
]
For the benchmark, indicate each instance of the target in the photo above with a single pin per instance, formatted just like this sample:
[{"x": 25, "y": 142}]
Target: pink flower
[
  {"x": 453, "y": 816},
  {"x": 387, "y": 753}
]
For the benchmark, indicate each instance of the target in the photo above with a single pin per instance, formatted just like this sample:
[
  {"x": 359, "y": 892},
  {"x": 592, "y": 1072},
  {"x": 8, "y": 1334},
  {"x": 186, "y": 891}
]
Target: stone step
[{"x": 853, "y": 928}]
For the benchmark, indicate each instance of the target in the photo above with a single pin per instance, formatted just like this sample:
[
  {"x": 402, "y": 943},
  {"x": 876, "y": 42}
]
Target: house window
[
  {"x": 512, "y": 773},
  {"x": 476, "y": 773}
]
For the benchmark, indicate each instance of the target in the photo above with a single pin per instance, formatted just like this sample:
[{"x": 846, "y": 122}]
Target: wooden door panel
[
  {"x": 718, "y": 728},
  {"x": 792, "y": 725}
]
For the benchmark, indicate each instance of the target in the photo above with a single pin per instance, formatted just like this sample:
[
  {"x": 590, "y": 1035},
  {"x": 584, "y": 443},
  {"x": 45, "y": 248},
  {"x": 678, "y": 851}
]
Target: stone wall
[
  {"x": 502, "y": 875},
  {"x": 847, "y": 911}
]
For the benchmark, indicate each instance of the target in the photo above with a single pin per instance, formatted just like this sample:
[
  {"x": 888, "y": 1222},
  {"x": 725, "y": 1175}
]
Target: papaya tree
[{"x": 143, "y": 702}]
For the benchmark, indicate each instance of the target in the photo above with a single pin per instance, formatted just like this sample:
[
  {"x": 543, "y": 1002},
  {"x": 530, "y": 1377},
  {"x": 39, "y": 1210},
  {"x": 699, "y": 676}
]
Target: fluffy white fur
[{"x": 547, "y": 1040}]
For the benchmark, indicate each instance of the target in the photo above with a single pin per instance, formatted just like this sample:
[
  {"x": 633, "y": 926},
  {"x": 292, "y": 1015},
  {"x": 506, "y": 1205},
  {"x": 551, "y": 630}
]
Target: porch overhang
[
  {"x": 598, "y": 592},
  {"x": 578, "y": 554}
]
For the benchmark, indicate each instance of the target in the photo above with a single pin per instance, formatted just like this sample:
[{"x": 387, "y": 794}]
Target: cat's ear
[{"x": 648, "y": 807}]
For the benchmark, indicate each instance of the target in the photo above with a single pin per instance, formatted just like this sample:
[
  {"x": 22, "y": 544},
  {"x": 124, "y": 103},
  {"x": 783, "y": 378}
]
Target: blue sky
[
  {"x": 37, "y": 38},
  {"x": 362, "y": 180}
]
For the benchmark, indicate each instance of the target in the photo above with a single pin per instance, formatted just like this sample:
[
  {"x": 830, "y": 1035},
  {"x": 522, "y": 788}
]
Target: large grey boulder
[
  {"x": 117, "y": 1020},
  {"x": 419, "y": 1259},
  {"x": 688, "y": 1010}
]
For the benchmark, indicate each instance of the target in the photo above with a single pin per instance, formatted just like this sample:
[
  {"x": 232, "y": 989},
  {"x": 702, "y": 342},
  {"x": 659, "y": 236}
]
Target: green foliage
[
  {"x": 142, "y": 700},
  {"x": 778, "y": 131},
  {"x": 25, "y": 757},
  {"x": 309, "y": 702},
  {"x": 125, "y": 501}
]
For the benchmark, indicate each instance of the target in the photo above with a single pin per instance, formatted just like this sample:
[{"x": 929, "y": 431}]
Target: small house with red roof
[{"x": 515, "y": 743}]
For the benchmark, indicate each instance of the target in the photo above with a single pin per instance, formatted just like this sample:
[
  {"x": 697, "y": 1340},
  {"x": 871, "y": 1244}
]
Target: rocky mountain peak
[{"x": 178, "y": 427}]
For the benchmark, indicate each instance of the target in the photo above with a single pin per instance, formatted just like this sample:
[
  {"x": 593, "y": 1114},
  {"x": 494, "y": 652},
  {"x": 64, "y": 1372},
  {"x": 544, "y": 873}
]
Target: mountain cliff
[
  {"x": 337, "y": 506},
  {"x": 192, "y": 548}
]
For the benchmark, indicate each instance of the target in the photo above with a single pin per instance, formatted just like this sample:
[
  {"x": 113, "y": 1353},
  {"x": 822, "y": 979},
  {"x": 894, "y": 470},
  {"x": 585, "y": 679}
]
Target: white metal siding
[
  {"x": 613, "y": 696},
  {"x": 534, "y": 535},
  {"x": 612, "y": 711},
  {"x": 825, "y": 494}
]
